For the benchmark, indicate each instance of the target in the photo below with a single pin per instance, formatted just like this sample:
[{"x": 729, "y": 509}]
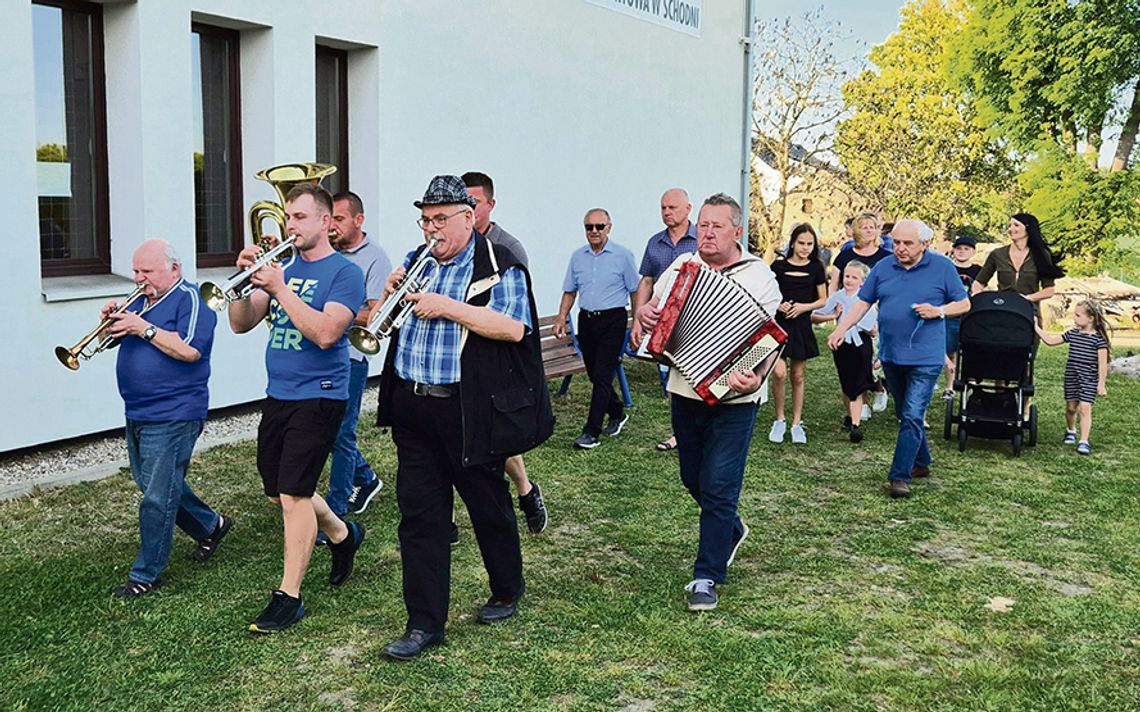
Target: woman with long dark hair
[
  {"x": 803, "y": 288},
  {"x": 1025, "y": 266}
]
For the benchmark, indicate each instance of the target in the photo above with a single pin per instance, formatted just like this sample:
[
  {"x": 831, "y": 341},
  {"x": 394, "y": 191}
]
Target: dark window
[
  {"x": 217, "y": 151},
  {"x": 332, "y": 115},
  {"x": 71, "y": 138}
]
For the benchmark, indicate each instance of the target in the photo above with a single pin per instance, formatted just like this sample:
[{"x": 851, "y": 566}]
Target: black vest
[{"x": 502, "y": 389}]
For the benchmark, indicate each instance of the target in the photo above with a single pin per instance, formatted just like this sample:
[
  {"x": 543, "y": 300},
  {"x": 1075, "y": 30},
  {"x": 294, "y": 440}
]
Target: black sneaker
[
  {"x": 283, "y": 611},
  {"x": 134, "y": 589},
  {"x": 585, "y": 441},
  {"x": 614, "y": 427},
  {"x": 207, "y": 546},
  {"x": 856, "y": 435},
  {"x": 344, "y": 553},
  {"x": 362, "y": 495},
  {"x": 534, "y": 508},
  {"x": 453, "y": 537},
  {"x": 702, "y": 595},
  {"x": 846, "y": 423}
]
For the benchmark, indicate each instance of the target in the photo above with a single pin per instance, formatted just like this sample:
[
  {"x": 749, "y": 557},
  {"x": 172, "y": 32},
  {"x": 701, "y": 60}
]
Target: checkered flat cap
[{"x": 446, "y": 190}]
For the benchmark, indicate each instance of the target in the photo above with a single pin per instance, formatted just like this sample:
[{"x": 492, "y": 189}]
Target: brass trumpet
[
  {"x": 70, "y": 357},
  {"x": 282, "y": 178},
  {"x": 396, "y": 310}
]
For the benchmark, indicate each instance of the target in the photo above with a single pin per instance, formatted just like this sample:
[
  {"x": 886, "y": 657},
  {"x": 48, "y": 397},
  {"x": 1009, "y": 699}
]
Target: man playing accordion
[{"x": 713, "y": 440}]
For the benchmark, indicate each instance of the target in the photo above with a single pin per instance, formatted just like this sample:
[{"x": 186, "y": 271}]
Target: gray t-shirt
[
  {"x": 374, "y": 262},
  {"x": 499, "y": 236}
]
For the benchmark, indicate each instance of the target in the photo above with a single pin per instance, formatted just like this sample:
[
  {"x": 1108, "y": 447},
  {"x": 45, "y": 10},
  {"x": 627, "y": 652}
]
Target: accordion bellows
[{"x": 711, "y": 326}]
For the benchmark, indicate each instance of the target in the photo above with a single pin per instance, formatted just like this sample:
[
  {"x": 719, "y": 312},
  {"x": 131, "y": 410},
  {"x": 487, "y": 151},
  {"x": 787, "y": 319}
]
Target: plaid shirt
[
  {"x": 429, "y": 349},
  {"x": 660, "y": 252}
]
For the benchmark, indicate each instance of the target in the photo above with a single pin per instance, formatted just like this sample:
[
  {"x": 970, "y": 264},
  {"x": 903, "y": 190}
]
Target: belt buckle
[{"x": 420, "y": 389}]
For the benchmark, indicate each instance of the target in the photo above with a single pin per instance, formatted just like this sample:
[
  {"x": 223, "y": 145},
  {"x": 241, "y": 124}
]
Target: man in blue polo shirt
[
  {"x": 604, "y": 275},
  {"x": 916, "y": 290},
  {"x": 311, "y": 303},
  {"x": 163, "y": 368},
  {"x": 678, "y": 238}
]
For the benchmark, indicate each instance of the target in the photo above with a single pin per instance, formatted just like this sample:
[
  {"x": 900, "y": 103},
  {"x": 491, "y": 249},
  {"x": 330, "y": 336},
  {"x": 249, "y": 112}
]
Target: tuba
[
  {"x": 238, "y": 285},
  {"x": 70, "y": 356},
  {"x": 395, "y": 311}
]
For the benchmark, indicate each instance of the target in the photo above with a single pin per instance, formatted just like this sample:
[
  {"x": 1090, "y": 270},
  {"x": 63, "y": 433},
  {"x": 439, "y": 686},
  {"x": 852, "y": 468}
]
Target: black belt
[
  {"x": 430, "y": 389},
  {"x": 603, "y": 312}
]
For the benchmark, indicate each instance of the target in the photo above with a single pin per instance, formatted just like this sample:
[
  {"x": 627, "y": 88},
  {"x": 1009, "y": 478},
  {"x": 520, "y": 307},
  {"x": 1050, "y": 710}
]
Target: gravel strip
[{"x": 98, "y": 456}]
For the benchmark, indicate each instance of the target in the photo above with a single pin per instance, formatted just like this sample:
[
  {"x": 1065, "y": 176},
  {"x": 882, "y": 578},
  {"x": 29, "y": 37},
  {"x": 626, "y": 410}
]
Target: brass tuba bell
[{"x": 283, "y": 178}]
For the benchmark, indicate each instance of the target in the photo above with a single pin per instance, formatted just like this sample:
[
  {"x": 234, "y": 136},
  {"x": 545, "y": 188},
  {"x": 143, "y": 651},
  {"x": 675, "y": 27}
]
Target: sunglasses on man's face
[{"x": 590, "y": 227}]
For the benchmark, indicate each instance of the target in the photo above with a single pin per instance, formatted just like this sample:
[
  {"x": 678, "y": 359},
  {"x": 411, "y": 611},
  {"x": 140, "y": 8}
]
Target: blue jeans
[
  {"x": 712, "y": 445},
  {"x": 349, "y": 467},
  {"x": 912, "y": 388},
  {"x": 159, "y": 455}
]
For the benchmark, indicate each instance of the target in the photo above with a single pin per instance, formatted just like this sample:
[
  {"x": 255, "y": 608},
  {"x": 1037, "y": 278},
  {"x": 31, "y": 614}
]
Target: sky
[{"x": 864, "y": 22}]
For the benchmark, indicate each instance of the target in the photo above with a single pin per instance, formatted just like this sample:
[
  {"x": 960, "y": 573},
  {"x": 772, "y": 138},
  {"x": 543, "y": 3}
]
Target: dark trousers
[
  {"x": 428, "y": 433},
  {"x": 601, "y": 336}
]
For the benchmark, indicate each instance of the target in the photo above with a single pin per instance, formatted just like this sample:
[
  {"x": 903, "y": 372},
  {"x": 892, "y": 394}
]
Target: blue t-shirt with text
[{"x": 298, "y": 368}]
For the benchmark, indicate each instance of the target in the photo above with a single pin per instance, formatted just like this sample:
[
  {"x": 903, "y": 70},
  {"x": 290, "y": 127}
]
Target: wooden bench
[{"x": 561, "y": 358}]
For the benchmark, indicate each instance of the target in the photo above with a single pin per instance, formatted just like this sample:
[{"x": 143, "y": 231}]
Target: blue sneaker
[
  {"x": 702, "y": 595},
  {"x": 362, "y": 495}
]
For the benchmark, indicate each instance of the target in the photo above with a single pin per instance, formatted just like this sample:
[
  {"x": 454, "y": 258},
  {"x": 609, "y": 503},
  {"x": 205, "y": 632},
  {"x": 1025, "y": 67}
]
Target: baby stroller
[{"x": 994, "y": 374}]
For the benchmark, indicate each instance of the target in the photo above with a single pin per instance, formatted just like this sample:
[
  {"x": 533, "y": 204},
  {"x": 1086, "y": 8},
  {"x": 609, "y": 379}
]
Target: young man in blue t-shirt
[
  {"x": 916, "y": 290},
  {"x": 310, "y": 305},
  {"x": 163, "y": 368}
]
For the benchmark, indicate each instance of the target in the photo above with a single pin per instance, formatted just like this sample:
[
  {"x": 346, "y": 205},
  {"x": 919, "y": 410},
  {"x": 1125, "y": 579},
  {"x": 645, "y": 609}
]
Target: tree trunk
[{"x": 1128, "y": 134}]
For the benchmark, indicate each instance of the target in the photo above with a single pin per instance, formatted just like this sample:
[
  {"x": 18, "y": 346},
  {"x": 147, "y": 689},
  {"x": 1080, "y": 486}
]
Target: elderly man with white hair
[{"x": 916, "y": 289}]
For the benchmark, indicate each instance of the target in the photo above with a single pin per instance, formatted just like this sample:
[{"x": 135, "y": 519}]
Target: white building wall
[{"x": 567, "y": 105}]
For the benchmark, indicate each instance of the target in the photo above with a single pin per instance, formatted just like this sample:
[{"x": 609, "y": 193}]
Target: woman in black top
[
  {"x": 803, "y": 288},
  {"x": 867, "y": 249}
]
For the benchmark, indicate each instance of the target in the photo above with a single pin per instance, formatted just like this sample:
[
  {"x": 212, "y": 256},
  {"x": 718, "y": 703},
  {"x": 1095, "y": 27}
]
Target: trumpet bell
[
  {"x": 213, "y": 296},
  {"x": 364, "y": 340},
  {"x": 67, "y": 358}
]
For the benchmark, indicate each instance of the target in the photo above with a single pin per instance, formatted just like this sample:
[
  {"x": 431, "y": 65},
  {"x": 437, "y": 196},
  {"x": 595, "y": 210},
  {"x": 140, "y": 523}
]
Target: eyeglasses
[
  {"x": 437, "y": 220},
  {"x": 590, "y": 227}
]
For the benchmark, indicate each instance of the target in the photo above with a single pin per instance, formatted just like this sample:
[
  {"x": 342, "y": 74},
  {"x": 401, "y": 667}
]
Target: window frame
[
  {"x": 101, "y": 262},
  {"x": 237, "y": 221},
  {"x": 341, "y": 160}
]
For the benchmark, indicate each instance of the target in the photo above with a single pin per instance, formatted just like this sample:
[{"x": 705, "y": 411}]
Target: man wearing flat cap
[{"x": 463, "y": 389}]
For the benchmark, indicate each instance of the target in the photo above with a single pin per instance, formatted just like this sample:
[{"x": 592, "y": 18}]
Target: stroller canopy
[{"x": 999, "y": 319}]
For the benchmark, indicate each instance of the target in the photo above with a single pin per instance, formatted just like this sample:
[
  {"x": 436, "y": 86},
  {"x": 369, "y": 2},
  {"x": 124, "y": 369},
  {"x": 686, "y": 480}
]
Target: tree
[
  {"x": 51, "y": 153},
  {"x": 795, "y": 104},
  {"x": 1063, "y": 71},
  {"x": 912, "y": 140}
]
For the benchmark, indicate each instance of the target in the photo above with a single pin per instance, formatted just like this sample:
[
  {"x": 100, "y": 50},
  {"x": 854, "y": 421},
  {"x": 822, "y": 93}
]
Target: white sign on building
[{"x": 679, "y": 15}]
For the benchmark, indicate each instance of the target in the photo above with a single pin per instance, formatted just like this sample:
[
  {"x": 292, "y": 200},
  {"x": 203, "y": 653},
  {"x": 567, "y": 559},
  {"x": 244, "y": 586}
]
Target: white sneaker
[
  {"x": 799, "y": 437},
  {"x": 736, "y": 546},
  {"x": 776, "y": 434},
  {"x": 880, "y": 402},
  {"x": 866, "y": 413}
]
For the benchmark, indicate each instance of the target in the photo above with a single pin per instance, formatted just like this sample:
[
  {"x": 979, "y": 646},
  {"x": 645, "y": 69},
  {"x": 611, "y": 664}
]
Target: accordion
[{"x": 711, "y": 326}]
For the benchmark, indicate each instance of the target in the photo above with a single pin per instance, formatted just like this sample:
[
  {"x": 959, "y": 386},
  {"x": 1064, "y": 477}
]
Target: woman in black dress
[{"x": 803, "y": 288}]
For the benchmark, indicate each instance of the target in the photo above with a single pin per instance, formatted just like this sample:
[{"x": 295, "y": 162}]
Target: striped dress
[{"x": 1082, "y": 368}]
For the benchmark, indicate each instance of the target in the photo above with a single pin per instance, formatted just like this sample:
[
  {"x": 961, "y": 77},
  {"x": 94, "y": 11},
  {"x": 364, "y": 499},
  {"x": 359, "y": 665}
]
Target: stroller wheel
[
  {"x": 962, "y": 437},
  {"x": 948, "y": 426},
  {"x": 1032, "y": 441},
  {"x": 1017, "y": 443}
]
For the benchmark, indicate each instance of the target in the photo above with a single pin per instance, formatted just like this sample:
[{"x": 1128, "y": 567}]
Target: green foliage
[
  {"x": 914, "y": 141},
  {"x": 1085, "y": 213},
  {"x": 51, "y": 153},
  {"x": 1049, "y": 69}
]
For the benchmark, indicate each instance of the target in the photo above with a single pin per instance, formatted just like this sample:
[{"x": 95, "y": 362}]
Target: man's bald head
[
  {"x": 156, "y": 265},
  {"x": 675, "y": 207}
]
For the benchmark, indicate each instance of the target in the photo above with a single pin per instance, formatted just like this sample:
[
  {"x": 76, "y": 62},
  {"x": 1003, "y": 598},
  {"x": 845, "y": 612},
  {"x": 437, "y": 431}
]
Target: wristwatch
[
  {"x": 941, "y": 312},
  {"x": 150, "y": 333}
]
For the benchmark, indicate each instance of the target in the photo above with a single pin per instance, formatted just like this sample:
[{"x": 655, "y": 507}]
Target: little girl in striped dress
[{"x": 1085, "y": 370}]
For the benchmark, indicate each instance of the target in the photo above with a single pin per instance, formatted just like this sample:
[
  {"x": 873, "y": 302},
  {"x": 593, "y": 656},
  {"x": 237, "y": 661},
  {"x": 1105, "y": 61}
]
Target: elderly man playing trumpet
[
  {"x": 162, "y": 369},
  {"x": 311, "y": 304}
]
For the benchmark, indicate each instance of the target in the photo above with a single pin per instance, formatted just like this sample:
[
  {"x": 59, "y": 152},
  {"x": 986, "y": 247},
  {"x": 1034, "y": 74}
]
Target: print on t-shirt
[{"x": 283, "y": 334}]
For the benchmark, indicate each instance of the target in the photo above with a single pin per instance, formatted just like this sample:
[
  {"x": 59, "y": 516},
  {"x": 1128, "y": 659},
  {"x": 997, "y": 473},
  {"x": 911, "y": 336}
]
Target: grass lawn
[{"x": 841, "y": 598}]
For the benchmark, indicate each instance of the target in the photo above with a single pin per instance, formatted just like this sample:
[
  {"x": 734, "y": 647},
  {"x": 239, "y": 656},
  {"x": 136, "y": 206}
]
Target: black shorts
[{"x": 294, "y": 439}]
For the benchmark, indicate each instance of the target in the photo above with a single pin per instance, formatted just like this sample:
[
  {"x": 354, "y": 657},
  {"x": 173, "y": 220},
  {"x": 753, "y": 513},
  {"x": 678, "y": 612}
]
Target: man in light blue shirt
[
  {"x": 603, "y": 277},
  {"x": 916, "y": 290}
]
